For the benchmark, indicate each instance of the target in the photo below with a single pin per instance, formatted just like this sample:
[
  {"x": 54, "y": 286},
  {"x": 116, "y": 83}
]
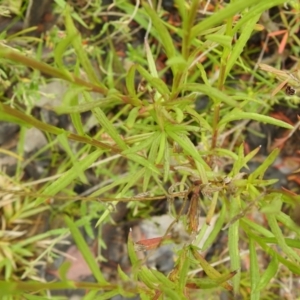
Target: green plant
[{"x": 159, "y": 139}]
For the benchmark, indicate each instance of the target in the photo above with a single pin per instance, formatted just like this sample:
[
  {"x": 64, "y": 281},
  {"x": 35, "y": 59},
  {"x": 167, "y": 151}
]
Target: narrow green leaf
[
  {"x": 84, "y": 250},
  {"x": 208, "y": 283},
  {"x": 268, "y": 274},
  {"x": 280, "y": 238},
  {"x": 68, "y": 177},
  {"x": 171, "y": 294},
  {"x": 188, "y": 146},
  {"x": 133, "y": 114},
  {"x": 88, "y": 227},
  {"x": 163, "y": 33},
  {"x": 211, "y": 272},
  {"x": 103, "y": 295},
  {"x": 240, "y": 44},
  {"x": 63, "y": 270},
  {"x": 212, "y": 207},
  {"x": 140, "y": 18},
  {"x": 240, "y": 115},
  {"x": 183, "y": 265},
  {"x": 71, "y": 97},
  {"x": 254, "y": 270},
  {"x": 105, "y": 123},
  {"x": 150, "y": 59},
  {"x": 250, "y": 155},
  {"x": 216, "y": 95},
  {"x": 156, "y": 83},
  {"x": 147, "y": 277},
  {"x": 78, "y": 46},
  {"x": 290, "y": 242},
  {"x": 179, "y": 114},
  {"x": 166, "y": 161},
  {"x": 203, "y": 74},
  {"x": 83, "y": 107},
  {"x": 202, "y": 122},
  {"x": 151, "y": 158},
  {"x": 131, "y": 252},
  {"x": 189, "y": 14},
  {"x": 226, "y": 152},
  {"x": 163, "y": 143},
  {"x": 118, "y": 181},
  {"x": 288, "y": 222},
  {"x": 183, "y": 128},
  {"x": 163, "y": 279},
  {"x": 258, "y": 228},
  {"x": 182, "y": 10},
  {"x": 253, "y": 13},
  {"x": 178, "y": 61},
  {"x": 233, "y": 242},
  {"x": 274, "y": 206},
  {"x": 293, "y": 267},
  {"x": 75, "y": 163},
  {"x": 260, "y": 171},
  {"x": 122, "y": 274},
  {"x": 143, "y": 145},
  {"x": 130, "y": 85},
  {"x": 228, "y": 12},
  {"x": 223, "y": 40},
  {"x": 217, "y": 228},
  {"x": 131, "y": 181},
  {"x": 239, "y": 163},
  {"x": 144, "y": 162},
  {"x": 60, "y": 50}
]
